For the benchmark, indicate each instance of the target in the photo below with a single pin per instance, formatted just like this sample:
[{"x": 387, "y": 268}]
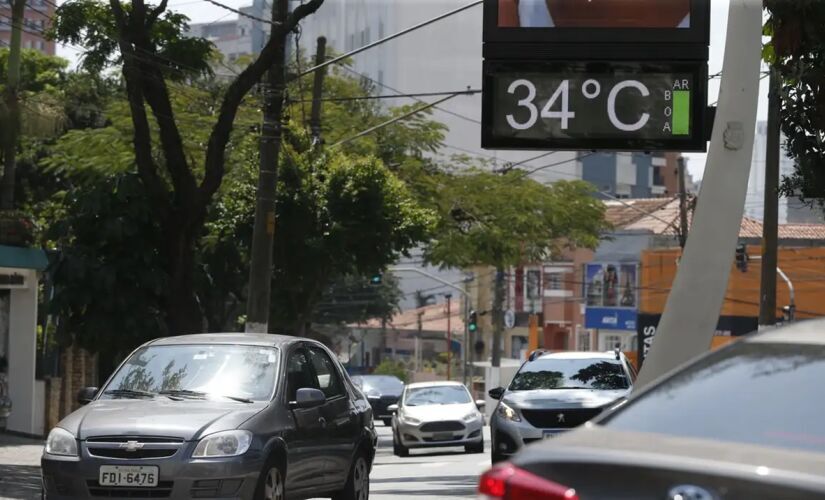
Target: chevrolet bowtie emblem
[
  {"x": 560, "y": 417},
  {"x": 131, "y": 446}
]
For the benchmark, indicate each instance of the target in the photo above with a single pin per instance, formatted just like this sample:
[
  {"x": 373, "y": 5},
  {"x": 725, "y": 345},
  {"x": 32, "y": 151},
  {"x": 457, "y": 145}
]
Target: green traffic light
[{"x": 472, "y": 327}]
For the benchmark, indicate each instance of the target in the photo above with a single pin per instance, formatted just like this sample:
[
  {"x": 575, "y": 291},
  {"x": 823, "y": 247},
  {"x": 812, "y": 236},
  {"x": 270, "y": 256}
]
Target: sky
[{"x": 200, "y": 11}]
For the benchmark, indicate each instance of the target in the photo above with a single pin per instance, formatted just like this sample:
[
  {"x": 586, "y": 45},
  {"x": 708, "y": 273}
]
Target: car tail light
[{"x": 506, "y": 482}]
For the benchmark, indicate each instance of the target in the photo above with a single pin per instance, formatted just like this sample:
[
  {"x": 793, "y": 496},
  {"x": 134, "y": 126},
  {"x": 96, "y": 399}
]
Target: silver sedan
[{"x": 437, "y": 414}]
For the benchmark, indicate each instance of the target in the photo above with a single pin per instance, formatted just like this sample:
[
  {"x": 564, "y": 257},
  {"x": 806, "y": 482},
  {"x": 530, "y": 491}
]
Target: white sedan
[{"x": 437, "y": 414}]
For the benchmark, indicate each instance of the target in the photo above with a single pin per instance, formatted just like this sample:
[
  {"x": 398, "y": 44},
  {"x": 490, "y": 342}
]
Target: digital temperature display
[{"x": 594, "y": 106}]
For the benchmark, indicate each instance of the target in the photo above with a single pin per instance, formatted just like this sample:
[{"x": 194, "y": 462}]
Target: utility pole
[
  {"x": 11, "y": 106},
  {"x": 683, "y": 222},
  {"x": 498, "y": 318},
  {"x": 770, "y": 222},
  {"x": 317, "y": 91},
  {"x": 260, "y": 267},
  {"x": 449, "y": 336}
]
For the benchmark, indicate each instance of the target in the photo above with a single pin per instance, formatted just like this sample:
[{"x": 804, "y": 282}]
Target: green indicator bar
[{"x": 681, "y": 112}]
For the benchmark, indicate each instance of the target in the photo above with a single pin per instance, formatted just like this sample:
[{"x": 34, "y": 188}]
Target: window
[
  {"x": 554, "y": 281},
  {"x": 298, "y": 374},
  {"x": 40, "y": 45},
  {"x": 533, "y": 281},
  {"x": 327, "y": 375},
  {"x": 437, "y": 395},
  {"x": 754, "y": 393},
  {"x": 560, "y": 373},
  {"x": 613, "y": 341}
]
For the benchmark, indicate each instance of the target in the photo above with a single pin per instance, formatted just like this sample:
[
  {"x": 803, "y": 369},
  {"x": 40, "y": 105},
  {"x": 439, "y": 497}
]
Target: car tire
[
  {"x": 387, "y": 422},
  {"x": 398, "y": 449},
  {"x": 271, "y": 482},
  {"x": 475, "y": 448},
  {"x": 358, "y": 480}
]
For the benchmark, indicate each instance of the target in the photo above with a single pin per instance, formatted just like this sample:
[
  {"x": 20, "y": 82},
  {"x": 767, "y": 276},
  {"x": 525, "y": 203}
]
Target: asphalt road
[{"x": 446, "y": 473}]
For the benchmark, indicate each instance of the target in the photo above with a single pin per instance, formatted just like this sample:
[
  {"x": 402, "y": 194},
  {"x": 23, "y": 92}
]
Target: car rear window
[{"x": 756, "y": 393}]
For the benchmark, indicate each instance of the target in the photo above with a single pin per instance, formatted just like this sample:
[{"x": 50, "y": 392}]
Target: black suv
[
  {"x": 382, "y": 392},
  {"x": 217, "y": 415}
]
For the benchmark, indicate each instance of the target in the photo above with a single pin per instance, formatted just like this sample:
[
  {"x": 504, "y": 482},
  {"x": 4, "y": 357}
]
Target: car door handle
[{"x": 322, "y": 421}]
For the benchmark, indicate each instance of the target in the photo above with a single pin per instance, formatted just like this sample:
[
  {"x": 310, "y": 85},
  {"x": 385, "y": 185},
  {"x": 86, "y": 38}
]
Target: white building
[{"x": 790, "y": 209}]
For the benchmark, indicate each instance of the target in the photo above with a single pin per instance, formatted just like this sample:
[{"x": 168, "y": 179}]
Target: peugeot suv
[
  {"x": 555, "y": 392},
  {"x": 217, "y": 416}
]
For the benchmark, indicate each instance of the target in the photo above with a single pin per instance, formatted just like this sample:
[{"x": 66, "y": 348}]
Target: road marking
[{"x": 435, "y": 464}]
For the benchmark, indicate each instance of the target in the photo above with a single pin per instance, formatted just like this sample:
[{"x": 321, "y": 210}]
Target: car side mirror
[
  {"x": 480, "y": 404},
  {"x": 308, "y": 398},
  {"x": 86, "y": 395},
  {"x": 496, "y": 393},
  {"x": 392, "y": 408}
]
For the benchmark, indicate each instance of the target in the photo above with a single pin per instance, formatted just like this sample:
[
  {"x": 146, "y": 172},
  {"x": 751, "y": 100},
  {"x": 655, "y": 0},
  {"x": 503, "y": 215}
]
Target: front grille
[
  {"x": 126, "y": 454},
  {"x": 133, "y": 447},
  {"x": 560, "y": 419},
  {"x": 442, "y": 427},
  {"x": 441, "y": 440},
  {"x": 162, "y": 490}
]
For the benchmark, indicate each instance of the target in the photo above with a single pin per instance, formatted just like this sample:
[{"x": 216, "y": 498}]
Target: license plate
[
  {"x": 141, "y": 476},
  {"x": 443, "y": 436},
  {"x": 550, "y": 434}
]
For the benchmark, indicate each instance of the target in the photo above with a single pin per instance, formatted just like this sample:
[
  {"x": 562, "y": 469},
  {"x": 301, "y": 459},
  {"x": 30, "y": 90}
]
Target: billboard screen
[
  {"x": 611, "y": 296},
  {"x": 594, "y": 105},
  {"x": 597, "y": 20}
]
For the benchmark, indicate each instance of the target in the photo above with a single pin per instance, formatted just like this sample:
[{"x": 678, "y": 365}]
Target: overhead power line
[{"x": 392, "y": 96}]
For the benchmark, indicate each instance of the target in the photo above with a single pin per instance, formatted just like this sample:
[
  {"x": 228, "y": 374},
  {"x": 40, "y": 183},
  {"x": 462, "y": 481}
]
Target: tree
[
  {"x": 148, "y": 43},
  {"x": 353, "y": 299},
  {"x": 10, "y": 106},
  {"x": 506, "y": 220},
  {"x": 796, "y": 51}
]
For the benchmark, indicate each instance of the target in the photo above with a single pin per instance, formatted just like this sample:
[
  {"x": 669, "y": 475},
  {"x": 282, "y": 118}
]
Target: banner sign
[{"x": 611, "y": 297}]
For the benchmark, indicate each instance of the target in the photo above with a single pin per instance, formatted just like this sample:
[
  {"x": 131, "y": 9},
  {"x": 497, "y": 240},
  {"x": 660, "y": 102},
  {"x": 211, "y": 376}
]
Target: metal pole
[
  {"x": 683, "y": 223},
  {"x": 449, "y": 337},
  {"x": 263, "y": 233},
  {"x": 465, "y": 353},
  {"x": 695, "y": 301},
  {"x": 317, "y": 91},
  {"x": 791, "y": 292},
  {"x": 770, "y": 222}
]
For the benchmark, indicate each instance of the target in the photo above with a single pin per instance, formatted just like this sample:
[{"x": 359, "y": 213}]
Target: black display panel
[
  {"x": 594, "y": 21},
  {"x": 594, "y": 105}
]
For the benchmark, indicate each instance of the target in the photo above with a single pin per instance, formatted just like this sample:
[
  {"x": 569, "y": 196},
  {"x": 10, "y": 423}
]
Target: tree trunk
[
  {"x": 184, "y": 314},
  {"x": 498, "y": 316},
  {"x": 12, "y": 107}
]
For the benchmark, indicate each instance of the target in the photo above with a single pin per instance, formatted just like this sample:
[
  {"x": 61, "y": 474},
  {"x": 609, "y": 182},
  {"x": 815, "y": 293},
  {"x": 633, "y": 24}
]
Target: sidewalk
[{"x": 19, "y": 467}]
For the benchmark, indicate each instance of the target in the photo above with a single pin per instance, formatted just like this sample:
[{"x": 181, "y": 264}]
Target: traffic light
[
  {"x": 472, "y": 322},
  {"x": 376, "y": 279},
  {"x": 742, "y": 257}
]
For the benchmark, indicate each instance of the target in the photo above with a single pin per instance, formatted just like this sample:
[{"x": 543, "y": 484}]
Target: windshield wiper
[
  {"x": 185, "y": 393},
  {"x": 130, "y": 393},
  {"x": 202, "y": 395}
]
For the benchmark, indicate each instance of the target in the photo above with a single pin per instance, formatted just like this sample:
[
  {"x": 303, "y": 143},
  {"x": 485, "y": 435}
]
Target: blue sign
[{"x": 610, "y": 318}]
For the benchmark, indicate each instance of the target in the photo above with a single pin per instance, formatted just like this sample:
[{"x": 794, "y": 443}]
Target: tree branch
[
  {"x": 156, "y": 12},
  {"x": 237, "y": 90}
]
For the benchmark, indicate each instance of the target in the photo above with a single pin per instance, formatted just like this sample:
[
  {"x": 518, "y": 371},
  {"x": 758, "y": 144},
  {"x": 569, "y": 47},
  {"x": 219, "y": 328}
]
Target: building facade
[{"x": 37, "y": 18}]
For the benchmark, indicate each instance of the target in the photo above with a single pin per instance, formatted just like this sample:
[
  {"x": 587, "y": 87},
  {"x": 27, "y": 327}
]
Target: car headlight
[
  {"x": 508, "y": 413},
  {"x": 61, "y": 442},
  {"x": 410, "y": 420},
  {"x": 223, "y": 444},
  {"x": 471, "y": 416}
]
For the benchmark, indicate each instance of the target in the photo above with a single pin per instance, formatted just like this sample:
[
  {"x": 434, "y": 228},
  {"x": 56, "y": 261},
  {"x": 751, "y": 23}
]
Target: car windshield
[
  {"x": 381, "y": 384},
  {"x": 229, "y": 371},
  {"x": 555, "y": 373},
  {"x": 437, "y": 395},
  {"x": 755, "y": 393}
]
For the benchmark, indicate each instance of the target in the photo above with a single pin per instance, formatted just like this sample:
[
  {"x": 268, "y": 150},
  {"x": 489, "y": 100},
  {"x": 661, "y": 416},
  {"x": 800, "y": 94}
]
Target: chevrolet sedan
[{"x": 217, "y": 416}]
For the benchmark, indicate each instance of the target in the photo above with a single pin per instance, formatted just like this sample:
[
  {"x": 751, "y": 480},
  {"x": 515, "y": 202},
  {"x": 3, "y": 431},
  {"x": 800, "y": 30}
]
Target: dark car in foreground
[
  {"x": 553, "y": 393},
  {"x": 741, "y": 422},
  {"x": 217, "y": 416},
  {"x": 382, "y": 391}
]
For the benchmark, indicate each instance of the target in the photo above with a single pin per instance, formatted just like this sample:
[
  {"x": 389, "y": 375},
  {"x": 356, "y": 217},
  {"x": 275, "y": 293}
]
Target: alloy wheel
[
  {"x": 274, "y": 485},
  {"x": 361, "y": 479}
]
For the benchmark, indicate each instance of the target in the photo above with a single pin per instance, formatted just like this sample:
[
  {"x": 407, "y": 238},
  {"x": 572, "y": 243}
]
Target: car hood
[
  {"x": 562, "y": 398},
  {"x": 188, "y": 419},
  {"x": 438, "y": 413}
]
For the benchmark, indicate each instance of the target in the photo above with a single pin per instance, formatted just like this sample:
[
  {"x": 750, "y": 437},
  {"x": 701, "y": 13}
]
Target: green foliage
[
  {"x": 91, "y": 24},
  {"x": 505, "y": 220},
  {"x": 352, "y": 299},
  {"x": 38, "y": 72},
  {"x": 797, "y": 51},
  {"x": 110, "y": 285},
  {"x": 393, "y": 368}
]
